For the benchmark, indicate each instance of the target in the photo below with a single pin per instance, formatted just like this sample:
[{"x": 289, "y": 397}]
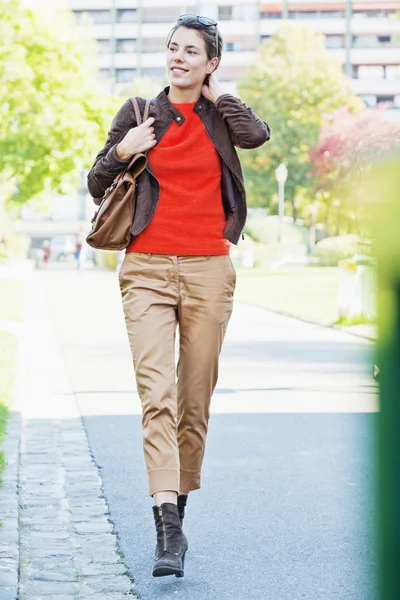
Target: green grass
[
  {"x": 8, "y": 355},
  {"x": 308, "y": 293},
  {"x": 11, "y": 308}
]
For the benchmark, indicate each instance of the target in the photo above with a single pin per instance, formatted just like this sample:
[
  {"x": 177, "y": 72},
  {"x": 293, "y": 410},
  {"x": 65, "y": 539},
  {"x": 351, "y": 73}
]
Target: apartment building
[{"x": 363, "y": 34}]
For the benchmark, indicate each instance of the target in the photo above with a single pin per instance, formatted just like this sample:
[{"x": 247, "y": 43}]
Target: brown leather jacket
[{"x": 228, "y": 122}]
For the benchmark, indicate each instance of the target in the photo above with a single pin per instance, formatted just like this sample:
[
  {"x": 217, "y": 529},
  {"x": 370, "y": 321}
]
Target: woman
[{"x": 177, "y": 270}]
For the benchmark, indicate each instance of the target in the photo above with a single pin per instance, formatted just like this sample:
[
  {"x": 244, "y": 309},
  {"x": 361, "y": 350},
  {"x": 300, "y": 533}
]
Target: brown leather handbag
[{"x": 112, "y": 222}]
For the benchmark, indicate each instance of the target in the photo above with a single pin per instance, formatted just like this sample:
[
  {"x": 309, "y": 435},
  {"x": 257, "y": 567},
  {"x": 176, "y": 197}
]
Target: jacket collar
[{"x": 163, "y": 100}]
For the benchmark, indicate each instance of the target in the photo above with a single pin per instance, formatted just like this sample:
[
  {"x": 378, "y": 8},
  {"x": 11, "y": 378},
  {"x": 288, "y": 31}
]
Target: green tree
[
  {"x": 292, "y": 84},
  {"x": 52, "y": 115}
]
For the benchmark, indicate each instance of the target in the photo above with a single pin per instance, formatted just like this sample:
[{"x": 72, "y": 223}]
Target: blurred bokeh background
[{"x": 324, "y": 74}]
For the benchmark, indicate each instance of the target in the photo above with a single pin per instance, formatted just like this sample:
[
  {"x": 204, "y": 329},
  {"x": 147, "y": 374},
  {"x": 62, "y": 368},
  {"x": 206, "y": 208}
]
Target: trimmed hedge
[{"x": 334, "y": 249}]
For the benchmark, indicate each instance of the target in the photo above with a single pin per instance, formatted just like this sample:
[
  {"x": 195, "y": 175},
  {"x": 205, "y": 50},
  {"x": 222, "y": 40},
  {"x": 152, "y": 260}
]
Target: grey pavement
[{"x": 286, "y": 509}]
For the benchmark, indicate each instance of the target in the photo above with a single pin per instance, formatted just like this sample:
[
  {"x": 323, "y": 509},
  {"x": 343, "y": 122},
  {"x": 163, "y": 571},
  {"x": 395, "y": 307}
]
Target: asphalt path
[{"x": 286, "y": 510}]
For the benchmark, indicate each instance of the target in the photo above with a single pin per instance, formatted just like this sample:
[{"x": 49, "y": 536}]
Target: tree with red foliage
[{"x": 348, "y": 145}]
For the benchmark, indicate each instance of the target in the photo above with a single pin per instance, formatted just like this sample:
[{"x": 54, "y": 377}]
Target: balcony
[
  {"x": 376, "y": 26},
  {"x": 157, "y": 59},
  {"x": 101, "y": 4},
  {"x": 381, "y": 87},
  {"x": 369, "y": 56}
]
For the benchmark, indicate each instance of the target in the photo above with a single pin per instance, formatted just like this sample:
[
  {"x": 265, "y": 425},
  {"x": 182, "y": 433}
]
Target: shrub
[
  {"x": 108, "y": 259},
  {"x": 333, "y": 249},
  {"x": 14, "y": 245}
]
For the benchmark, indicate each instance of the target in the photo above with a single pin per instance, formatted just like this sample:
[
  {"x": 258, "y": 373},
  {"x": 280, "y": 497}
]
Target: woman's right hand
[{"x": 138, "y": 139}]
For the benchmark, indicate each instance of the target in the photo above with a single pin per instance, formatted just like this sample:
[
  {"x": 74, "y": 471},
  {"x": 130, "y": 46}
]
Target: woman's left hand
[{"x": 212, "y": 89}]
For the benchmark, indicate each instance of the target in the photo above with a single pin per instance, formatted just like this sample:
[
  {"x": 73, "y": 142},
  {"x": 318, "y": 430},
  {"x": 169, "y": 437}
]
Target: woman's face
[{"x": 187, "y": 61}]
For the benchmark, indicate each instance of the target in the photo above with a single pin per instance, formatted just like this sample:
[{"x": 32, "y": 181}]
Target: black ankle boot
[
  {"x": 181, "y": 507},
  {"x": 171, "y": 542}
]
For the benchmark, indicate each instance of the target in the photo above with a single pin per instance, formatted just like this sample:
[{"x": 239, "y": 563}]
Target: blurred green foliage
[
  {"x": 53, "y": 114},
  {"x": 382, "y": 192},
  {"x": 292, "y": 84},
  {"x": 382, "y": 189}
]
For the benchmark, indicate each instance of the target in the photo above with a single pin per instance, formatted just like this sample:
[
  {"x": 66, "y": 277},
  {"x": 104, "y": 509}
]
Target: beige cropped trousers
[{"x": 159, "y": 293}]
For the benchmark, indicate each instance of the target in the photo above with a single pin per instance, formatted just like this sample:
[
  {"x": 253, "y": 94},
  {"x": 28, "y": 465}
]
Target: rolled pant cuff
[
  {"x": 163, "y": 480},
  {"x": 190, "y": 481}
]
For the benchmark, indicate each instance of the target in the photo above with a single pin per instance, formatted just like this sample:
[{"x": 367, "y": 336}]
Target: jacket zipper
[{"x": 163, "y": 526}]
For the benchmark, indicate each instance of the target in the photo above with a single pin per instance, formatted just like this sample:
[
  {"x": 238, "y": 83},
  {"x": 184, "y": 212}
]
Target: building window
[
  {"x": 125, "y": 75},
  {"x": 105, "y": 73},
  {"x": 393, "y": 72},
  {"x": 303, "y": 14},
  {"x": 369, "y": 72},
  {"x": 384, "y": 40},
  {"x": 365, "y": 41},
  {"x": 332, "y": 14},
  {"x": 369, "y": 100},
  {"x": 234, "y": 46},
  {"x": 374, "y": 14},
  {"x": 225, "y": 13},
  {"x": 316, "y": 14},
  {"x": 104, "y": 46},
  {"x": 385, "y": 99},
  {"x": 127, "y": 16},
  {"x": 163, "y": 14},
  {"x": 153, "y": 44},
  {"x": 98, "y": 17},
  {"x": 246, "y": 12},
  {"x": 271, "y": 15},
  {"x": 154, "y": 72},
  {"x": 334, "y": 41},
  {"x": 126, "y": 46}
]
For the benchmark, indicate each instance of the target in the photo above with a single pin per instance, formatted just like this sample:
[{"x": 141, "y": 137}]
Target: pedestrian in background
[
  {"x": 177, "y": 270},
  {"x": 46, "y": 252},
  {"x": 80, "y": 254}
]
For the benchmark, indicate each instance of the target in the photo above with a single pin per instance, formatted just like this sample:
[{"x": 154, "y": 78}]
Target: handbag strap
[
  {"x": 136, "y": 109},
  {"x": 139, "y": 121}
]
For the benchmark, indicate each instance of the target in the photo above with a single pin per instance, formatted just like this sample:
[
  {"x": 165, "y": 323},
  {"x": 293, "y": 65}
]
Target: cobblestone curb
[
  {"x": 68, "y": 549},
  {"x": 67, "y": 545},
  {"x": 9, "y": 531}
]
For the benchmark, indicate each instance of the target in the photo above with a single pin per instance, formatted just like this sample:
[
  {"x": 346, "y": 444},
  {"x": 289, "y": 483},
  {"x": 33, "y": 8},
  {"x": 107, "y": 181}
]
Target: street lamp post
[
  {"x": 348, "y": 38},
  {"x": 113, "y": 46},
  {"x": 313, "y": 224},
  {"x": 281, "y": 174}
]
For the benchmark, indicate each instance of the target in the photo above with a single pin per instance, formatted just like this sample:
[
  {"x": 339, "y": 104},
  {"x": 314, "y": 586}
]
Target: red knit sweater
[{"x": 189, "y": 219}]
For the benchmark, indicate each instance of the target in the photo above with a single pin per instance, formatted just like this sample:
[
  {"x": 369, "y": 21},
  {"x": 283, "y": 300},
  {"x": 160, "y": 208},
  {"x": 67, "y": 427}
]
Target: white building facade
[{"x": 131, "y": 36}]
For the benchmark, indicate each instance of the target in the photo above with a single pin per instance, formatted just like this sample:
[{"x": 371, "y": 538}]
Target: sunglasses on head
[{"x": 206, "y": 21}]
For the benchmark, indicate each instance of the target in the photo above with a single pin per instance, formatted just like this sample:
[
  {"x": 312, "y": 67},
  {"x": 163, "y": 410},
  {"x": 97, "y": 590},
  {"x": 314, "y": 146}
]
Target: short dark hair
[{"x": 207, "y": 33}]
